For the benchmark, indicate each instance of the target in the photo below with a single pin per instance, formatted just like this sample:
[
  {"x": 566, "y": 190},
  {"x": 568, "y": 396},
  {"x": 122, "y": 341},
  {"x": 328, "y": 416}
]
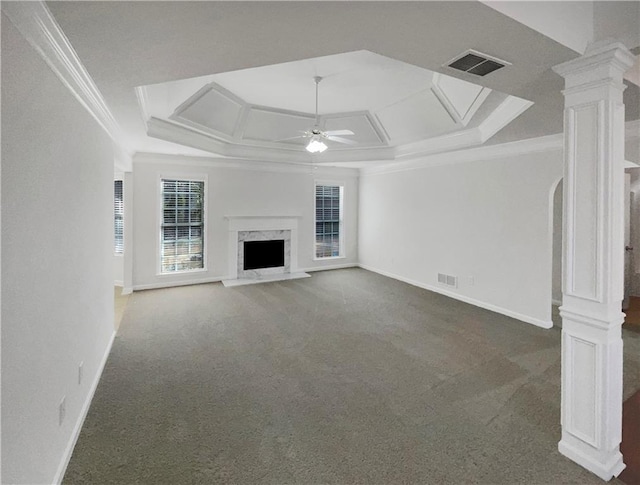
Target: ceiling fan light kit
[
  {"x": 316, "y": 145},
  {"x": 316, "y": 135}
]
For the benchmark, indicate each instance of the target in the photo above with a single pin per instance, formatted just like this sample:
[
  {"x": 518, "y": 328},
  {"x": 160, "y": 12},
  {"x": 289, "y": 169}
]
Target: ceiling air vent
[{"x": 477, "y": 63}]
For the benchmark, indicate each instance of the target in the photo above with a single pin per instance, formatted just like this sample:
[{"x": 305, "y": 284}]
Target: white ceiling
[
  {"x": 128, "y": 44},
  {"x": 384, "y": 102}
]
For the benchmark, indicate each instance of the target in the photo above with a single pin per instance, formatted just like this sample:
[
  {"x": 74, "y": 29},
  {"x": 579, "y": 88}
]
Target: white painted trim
[
  {"x": 487, "y": 306},
  {"x": 329, "y": 267},
  {"x": 171, "y": 284},
  {"x": 556, "y": 302},
  {"x": 504, "y": 114},
  {"x": 35, "y": 22},
  {"x": 126, "y": 290},
  {"x": 478, "y": 154},
  {"x": 119, "y": 283},
  {"x": 606, "y": 473},
  {"x": 244, "y": 164},
  {"x": 62, "y": 467}
]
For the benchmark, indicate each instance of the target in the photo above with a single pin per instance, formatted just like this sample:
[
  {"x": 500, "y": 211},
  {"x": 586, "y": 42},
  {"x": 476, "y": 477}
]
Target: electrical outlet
[
  {"x": 62, "y": 410},
  {"x": 80, "y": 369},
  {"x": 471, "y": 281}
]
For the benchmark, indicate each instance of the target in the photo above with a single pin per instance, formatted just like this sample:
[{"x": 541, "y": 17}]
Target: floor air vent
[
  {"x": 448, "y": 280},
  {"x": 475, "y": 62}
]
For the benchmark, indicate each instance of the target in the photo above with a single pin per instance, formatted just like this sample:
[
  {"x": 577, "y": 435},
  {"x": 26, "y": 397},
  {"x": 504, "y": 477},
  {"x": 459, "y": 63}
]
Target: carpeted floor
[{"x": 345, "y": 377}]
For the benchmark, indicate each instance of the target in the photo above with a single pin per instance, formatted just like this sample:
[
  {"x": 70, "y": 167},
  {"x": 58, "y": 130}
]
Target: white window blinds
[
  {"x": 182, "y": 228},
  {"x": 118, "y": 217},
  {"x": 328, "y": 221}
]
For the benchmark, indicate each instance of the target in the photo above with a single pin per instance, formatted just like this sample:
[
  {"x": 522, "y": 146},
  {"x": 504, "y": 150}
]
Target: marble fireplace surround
[
  {"x": 280, "y": 234},
  {"x": 260, "y": 228}
]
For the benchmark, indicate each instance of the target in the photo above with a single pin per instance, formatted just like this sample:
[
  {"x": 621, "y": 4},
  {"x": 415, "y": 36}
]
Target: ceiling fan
[{"x": 317, "y": 136}]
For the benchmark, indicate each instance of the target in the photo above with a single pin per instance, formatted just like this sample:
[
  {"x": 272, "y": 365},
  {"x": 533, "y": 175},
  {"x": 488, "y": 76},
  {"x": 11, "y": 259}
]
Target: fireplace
[
  {"x": 263, "y": 254},
  {"x": 262, "y": 248}
]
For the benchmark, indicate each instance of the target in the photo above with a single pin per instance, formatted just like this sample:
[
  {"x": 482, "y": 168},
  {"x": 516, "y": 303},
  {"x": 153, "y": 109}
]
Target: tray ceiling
[{"x": 388, "y": 104}]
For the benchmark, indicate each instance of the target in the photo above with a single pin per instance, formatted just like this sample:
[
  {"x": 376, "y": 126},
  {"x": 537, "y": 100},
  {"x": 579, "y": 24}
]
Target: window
[
  {"x": 118, "y": 217},
  {"x": 182, "y": 227},
  {"x": 328, "y": 221}
]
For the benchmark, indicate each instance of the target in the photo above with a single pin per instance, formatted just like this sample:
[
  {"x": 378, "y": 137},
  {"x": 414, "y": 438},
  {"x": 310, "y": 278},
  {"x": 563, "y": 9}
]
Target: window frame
[
  {"x": 186, "y": 177},
  {"x": 117, "y": 252},
  {"x": 341, "y": 231}
]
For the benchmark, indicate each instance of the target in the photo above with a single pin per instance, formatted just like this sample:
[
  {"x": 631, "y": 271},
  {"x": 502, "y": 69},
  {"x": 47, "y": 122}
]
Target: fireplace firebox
[{"x": 263, "y": 254}]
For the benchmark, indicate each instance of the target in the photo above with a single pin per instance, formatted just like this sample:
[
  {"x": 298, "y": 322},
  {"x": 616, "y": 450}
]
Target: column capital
[{"x": 602, "y": 60}]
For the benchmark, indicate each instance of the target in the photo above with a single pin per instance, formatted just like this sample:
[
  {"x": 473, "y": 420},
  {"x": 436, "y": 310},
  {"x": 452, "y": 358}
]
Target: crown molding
[
  {"x": 246, "y": 164},
  {"x": 505, "y": 113},
  {"x": 36, "y": 24},
  {"x": 477, "y": 154}
]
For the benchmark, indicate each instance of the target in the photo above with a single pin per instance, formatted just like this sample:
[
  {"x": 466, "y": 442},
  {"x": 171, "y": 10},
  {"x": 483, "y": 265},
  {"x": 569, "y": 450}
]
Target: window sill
[
  {"x": 330, "y": 258},
  {"x": 185, "y": 271}
]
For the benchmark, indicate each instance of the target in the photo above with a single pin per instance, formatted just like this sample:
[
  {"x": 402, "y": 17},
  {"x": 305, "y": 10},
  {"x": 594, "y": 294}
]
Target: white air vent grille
[
  {"x": 477, "y": 63},
  {"x": 448, "y": 280}
]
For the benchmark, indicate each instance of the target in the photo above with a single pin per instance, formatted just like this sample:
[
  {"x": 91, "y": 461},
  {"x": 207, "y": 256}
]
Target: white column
[{"x": 592, "y": 280}]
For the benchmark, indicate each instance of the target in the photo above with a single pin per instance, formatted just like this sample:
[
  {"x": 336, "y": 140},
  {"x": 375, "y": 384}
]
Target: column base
[{"x": 604, "y": 465}]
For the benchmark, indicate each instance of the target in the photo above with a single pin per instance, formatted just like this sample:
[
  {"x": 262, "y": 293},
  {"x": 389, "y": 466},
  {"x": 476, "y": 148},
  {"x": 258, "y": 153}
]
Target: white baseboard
[
  {"x": 118, "y": 283},
  {"x": 605, "y": 471},
  {"x": 170, "y": 284},
  {"x": 328, "y": 267},
  {"x": 62, "y": 468},
  {"x": 126, "y": 290},
  {"x": 487, "y": 306}
]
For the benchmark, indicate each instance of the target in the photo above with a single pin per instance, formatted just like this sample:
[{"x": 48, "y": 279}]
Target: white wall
[
  {"x": 487, "y": 219},
  {"x": 57, "y": 274},
  {"x": 569, "y": 23},
  {"x": 556, "y": 290},
  {"x": 635, "y": 231},
  {"x": 234, "y": 192}
]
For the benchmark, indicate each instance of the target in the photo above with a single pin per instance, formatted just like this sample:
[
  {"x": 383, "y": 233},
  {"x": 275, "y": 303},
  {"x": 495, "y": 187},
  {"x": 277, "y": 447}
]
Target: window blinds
[
  {"x": 328, "y": 220},
  {"x": 182, "y": 228},
  {"x": 118, "y": 217}
]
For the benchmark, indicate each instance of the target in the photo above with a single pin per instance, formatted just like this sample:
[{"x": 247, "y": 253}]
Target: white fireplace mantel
[{"x": 262, "y": 223}]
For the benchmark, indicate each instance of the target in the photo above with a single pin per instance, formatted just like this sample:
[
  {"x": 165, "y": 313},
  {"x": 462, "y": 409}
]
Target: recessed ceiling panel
[
  {"x": 417, "y": 117},
  {"x": 267, "y": 125},
  {"x": 364, "y": 132},
  {"x": 213, "y": 110},
  {"x": 461, "y": 94}
]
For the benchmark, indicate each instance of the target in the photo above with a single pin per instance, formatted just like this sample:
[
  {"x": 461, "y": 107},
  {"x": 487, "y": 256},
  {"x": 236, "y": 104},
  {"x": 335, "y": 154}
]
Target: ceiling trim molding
[
  {"x": 450, "y": 141},
  {"x": 37, "y": 25},
  {"x": 477, "y": 154},
  {"x": 505, "y": 113},
  {"x": 244, "y": 164}
]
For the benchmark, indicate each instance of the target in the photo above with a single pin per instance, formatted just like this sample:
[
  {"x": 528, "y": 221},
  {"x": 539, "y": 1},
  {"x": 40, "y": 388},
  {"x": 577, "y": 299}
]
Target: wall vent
[
  {"x": 448, "y": 280},
  {"x": 477, "y": 63}
]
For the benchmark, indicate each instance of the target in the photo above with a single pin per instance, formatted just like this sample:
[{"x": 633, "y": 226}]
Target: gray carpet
[{"x": 345, "y": 377}]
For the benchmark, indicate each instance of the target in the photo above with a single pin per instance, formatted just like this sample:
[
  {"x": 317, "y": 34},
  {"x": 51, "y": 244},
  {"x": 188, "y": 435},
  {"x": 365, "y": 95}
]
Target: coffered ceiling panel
[
  {"x": 364, "y": 132},
  {"x": 415, "y": 118},
  {"x": 213, "y": 109},
  {"x": 271, "y": 126}
]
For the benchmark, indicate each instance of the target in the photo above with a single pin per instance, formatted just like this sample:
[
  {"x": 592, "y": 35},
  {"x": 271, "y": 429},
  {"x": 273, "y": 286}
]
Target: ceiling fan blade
[
  {"x": 339, "y": 132},
  {"x": 291, "y": 138},
  {"x": 342, "y": 140}
]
